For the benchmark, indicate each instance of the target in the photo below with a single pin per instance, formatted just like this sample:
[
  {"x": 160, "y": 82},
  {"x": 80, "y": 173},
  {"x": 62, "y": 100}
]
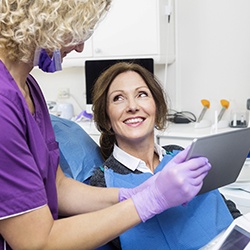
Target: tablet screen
[{"x": 238, "y": 239}]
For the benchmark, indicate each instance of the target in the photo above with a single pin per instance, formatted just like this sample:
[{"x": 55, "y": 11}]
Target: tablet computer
[
  {"x": 226, "y": 152},
  {"x": 235, "y": 237}
]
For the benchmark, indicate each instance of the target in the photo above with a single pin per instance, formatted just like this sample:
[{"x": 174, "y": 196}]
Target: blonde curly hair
[{"x": 49, "y": 24}]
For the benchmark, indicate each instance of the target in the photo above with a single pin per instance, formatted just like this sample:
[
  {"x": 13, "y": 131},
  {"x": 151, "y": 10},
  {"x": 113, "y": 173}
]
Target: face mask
[{"x": 45, "y": 63}]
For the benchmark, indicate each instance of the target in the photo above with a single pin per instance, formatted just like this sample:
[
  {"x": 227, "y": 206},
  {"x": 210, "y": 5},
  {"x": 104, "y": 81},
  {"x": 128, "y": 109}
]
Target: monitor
[{"x": 94, "y": 68}]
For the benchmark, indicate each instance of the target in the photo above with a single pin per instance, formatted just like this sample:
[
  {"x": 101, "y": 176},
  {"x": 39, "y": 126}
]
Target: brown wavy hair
[{"x": 99, "y": 97}]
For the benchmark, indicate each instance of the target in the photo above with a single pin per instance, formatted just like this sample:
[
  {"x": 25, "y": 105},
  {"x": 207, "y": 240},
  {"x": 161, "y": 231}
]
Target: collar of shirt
[{"x": 134, "y": 163}]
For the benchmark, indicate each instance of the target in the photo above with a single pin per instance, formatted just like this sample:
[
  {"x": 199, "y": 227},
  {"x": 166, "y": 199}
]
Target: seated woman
[{"x": 128, "y": 104}]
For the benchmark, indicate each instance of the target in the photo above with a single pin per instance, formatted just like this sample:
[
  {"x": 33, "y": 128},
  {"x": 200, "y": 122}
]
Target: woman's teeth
[{"x": 134, "y": 120}]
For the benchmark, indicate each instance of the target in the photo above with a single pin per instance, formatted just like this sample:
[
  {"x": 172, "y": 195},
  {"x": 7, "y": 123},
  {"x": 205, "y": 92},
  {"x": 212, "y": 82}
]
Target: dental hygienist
[{"x": 39, "y": 207}]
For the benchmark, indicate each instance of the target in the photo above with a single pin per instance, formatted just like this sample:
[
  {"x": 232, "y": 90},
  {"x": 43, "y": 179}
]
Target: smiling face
[{"x": 131, "y": 109}]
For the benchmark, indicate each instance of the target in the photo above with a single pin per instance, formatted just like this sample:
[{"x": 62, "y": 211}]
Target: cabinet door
[{"x": 130, "y": 28}]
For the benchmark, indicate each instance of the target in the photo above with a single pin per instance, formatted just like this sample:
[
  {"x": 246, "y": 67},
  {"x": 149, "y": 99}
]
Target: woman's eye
[
  {"x": 117, "y": 98},
  {"x": 143, "y": 94}
]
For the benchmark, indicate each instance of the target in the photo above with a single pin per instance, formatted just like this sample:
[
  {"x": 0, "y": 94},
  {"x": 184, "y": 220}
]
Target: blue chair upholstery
[{"x": 79, "y": 153}]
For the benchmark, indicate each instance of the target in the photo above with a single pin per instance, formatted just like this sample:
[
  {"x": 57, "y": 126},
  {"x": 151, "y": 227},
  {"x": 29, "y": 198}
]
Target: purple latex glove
[
  {"x": 47, "y": 64},
  {"x": 125, "y": 193},
  {"x": 176, "y": 184}
]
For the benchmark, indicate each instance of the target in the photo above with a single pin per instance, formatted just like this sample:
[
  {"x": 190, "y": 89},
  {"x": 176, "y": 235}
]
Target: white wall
[
  {"x": 72, "y": 78},
  {"x": 212, "y": 59},
  {"x": 213, "y": 54}
]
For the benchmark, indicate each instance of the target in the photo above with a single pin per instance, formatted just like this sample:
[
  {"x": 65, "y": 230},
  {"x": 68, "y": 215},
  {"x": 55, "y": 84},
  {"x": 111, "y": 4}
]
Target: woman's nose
[
  {"x": 132, "y": 105},
  {"x": 79, "y": 48}
]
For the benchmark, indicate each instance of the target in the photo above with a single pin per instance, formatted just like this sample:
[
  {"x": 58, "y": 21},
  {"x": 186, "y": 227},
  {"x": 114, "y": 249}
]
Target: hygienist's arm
[
  {"x": 75, "y": 197},
  {"x": 38, "y": 230}
]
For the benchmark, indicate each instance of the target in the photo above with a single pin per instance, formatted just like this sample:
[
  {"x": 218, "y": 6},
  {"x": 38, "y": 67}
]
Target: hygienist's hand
[
  {"x": 125, "y": 193},
  {"x": 176, "y": 184}
]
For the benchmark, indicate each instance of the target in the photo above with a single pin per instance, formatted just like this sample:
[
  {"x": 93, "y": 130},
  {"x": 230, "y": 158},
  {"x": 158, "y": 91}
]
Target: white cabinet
[{"x": 131, "y": 28}]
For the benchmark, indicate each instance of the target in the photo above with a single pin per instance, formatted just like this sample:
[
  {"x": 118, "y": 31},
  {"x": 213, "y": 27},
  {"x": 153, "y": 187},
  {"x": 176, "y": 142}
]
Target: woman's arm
[
  {"x": 38, "y": 230},
  {"x": 75, "y": 197}
]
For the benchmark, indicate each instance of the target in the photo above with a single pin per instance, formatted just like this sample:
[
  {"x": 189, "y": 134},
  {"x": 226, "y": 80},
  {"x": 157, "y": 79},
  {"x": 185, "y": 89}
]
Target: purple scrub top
[{"x": 29, "y": 154}]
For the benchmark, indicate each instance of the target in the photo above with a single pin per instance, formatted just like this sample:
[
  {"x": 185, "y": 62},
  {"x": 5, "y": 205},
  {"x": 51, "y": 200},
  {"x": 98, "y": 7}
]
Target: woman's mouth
[{"x": 134, "y": 120}]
